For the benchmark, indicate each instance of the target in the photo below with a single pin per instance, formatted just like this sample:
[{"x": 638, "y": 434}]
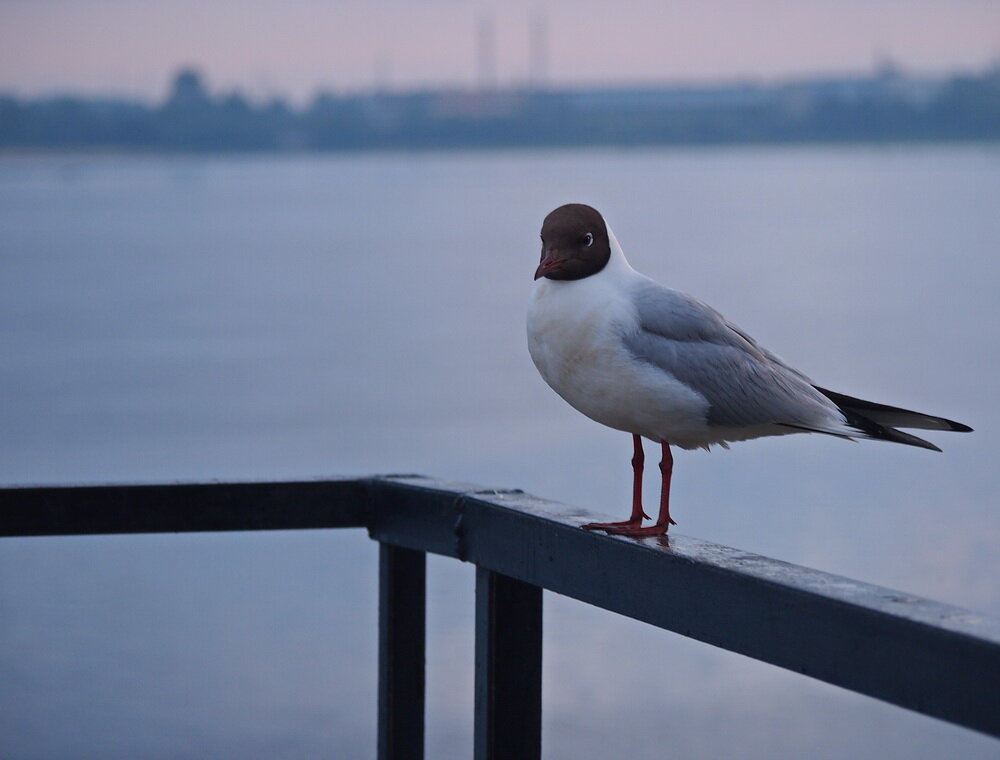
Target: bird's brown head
[{"x": 575, "y": 243}]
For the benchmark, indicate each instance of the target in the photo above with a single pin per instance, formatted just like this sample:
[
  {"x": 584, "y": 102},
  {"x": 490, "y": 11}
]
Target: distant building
[{"x": 188, "y": 90}]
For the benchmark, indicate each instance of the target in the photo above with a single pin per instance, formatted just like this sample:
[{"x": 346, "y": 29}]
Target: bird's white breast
[{"x": 575, "y": 338}]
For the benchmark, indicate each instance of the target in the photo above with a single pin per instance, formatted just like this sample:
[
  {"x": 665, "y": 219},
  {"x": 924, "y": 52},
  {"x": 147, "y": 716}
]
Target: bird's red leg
[
  {"x": 663, "y": 520},
  {"x": 638, "y": 459}
]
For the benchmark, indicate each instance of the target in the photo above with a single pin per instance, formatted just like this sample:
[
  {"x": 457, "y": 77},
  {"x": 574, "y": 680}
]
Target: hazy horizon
[{"x": 294, "y": 49}]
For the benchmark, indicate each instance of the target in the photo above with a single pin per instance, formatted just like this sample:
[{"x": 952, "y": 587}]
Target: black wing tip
[
  {"x": 898, "y": 436},
  {"x": 951, "y": 425},
  {"x": 871, "y": 409},
  {"x": 876, "y": 432}
]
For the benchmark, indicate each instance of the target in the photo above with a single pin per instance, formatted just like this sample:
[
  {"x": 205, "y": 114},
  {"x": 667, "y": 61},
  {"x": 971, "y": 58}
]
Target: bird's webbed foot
[
  {"x": 613, "y": 527},
  {"x": 640, "y": 532}
]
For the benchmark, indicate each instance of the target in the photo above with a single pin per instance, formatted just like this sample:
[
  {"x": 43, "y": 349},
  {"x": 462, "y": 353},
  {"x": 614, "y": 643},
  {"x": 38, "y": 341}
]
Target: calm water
[{"x": 170, "y": 319}]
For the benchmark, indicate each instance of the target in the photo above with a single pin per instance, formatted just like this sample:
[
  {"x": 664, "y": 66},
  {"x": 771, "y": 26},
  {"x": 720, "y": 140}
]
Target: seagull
[{"x": 651, "y": 361}]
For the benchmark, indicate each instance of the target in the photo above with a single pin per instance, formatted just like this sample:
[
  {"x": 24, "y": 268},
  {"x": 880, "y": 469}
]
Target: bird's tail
[{"x": 880, "y": 421}]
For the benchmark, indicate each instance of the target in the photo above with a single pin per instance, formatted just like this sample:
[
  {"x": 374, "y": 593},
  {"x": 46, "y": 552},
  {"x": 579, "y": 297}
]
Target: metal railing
[{"x": 922, "y": 655}]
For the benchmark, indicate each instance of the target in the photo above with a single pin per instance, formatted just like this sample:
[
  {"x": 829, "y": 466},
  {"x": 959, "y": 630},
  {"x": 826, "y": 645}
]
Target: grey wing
[{"x": 743, "y": 383}]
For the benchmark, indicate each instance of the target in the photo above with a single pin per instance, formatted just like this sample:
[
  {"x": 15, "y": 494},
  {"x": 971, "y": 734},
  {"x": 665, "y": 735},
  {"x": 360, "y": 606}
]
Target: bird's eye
[{"x": 588, "y": 239}]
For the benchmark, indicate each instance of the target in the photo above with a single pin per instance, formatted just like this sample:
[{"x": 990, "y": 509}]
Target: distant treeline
[{"x": 887, "y": 106}]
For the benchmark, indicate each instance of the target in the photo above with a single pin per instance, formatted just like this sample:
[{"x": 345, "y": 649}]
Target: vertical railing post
[
  {"x": 401, "y": 638},
  {"x": 508, "y": 668}
]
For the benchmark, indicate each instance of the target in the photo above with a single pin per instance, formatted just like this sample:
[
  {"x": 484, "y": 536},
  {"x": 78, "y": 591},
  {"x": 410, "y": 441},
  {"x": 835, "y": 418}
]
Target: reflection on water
[{"x": 168, "y": 319}]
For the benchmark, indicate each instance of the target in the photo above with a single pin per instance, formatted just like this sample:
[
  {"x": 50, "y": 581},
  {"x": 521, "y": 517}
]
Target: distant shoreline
[
  {"x": 887, "y": 107},
  {"x": 20, "y": 152}
]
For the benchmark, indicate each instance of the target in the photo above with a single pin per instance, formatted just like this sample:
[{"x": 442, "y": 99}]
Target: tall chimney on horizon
[
  {"x": 486, "y": 53},
  {"x": 538, "y": 51}
]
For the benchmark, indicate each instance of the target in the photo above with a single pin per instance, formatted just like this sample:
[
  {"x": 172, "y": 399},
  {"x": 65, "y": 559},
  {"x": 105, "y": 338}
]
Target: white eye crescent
[{"x": 588, "y": 239}]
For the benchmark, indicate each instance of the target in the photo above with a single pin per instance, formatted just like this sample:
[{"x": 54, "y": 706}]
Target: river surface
[{"x": 169, "y": 319}]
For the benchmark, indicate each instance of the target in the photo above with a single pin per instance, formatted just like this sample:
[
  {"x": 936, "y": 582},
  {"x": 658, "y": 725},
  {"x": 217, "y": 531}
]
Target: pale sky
[{"x": 294, "y": 47}]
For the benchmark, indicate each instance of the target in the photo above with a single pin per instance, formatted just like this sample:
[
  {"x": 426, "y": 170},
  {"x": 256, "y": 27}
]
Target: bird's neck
[{"x": 617, "y": 265}]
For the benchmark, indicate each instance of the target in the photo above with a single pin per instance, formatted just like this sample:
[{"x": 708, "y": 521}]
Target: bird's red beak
[{"x": 550, "y": 263}]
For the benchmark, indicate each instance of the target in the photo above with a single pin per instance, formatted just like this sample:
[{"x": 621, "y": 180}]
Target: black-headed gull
[{"x": 659, "y": 364}]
